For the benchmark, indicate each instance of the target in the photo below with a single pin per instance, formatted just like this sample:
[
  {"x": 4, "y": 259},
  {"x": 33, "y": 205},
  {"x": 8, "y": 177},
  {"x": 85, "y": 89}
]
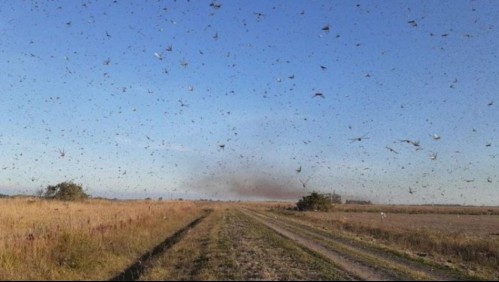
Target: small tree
[
  {"x": 314, "y": 202},
  {"x": 65, "y": 191}
]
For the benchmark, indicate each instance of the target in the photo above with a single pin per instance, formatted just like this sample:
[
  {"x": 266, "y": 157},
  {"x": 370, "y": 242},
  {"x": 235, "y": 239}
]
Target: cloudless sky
[{"x": 201, "y": 99}]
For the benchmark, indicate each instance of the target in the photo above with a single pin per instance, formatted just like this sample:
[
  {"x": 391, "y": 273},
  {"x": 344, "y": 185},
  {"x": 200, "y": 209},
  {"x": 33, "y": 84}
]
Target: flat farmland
[
  {"x": 163, "y": 240},
  {"x": 472, "y": 225}
]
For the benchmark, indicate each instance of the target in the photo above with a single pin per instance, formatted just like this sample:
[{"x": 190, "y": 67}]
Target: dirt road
[
  {"x": 354, "y": 257},
  {"x": 242, "y": 244}
]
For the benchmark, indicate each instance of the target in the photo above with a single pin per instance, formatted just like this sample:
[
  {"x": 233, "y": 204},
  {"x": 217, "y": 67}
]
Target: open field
[
  {"x": 50, "y": 240},
  {"x": 160, "y": 240},
  {"x": 472, "y": 225},
  {"x": 432, "y": 209}
]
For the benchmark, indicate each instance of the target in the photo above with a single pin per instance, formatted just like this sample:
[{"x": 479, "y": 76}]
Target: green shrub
[
  {"x": 65, "y": 191},
  {"x": 314, "y": 202}
]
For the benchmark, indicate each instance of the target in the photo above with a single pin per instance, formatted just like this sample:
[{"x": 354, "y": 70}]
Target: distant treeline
[
  {"x": 358, "y": 202},
  {"x": 4, "y": 196}
]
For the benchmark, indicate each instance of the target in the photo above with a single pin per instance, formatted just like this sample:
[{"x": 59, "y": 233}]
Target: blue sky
[{"x": 183, "y": 99}]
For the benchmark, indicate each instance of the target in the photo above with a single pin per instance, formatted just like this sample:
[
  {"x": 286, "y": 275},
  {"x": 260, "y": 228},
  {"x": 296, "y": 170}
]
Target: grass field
[
  {"x": 50, "y": 240},
  {"x": 99, "y": 239}
]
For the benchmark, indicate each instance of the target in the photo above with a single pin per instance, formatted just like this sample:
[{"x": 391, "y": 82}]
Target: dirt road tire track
[
  {"x": 345, "y": 255},
  {"x": 134, "y": 271},
  {"x": 230, "y": 246},
  {"x": 356, "y": 269}
]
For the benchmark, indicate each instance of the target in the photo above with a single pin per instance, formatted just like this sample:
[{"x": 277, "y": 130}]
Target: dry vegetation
[{"x": 52, "y": 240}]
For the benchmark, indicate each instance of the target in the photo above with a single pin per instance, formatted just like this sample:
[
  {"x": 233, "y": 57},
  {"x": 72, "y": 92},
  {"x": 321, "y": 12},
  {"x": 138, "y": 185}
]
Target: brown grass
[
  {"x": 50, "y": 240},
  {"x": 186, "y": 259}
]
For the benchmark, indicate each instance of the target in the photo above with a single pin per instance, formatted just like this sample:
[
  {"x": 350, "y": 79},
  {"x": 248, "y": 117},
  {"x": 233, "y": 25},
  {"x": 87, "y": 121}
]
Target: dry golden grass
[
  {"x": 95, "y": 239},
  {"x": 187, "y": 259}
]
